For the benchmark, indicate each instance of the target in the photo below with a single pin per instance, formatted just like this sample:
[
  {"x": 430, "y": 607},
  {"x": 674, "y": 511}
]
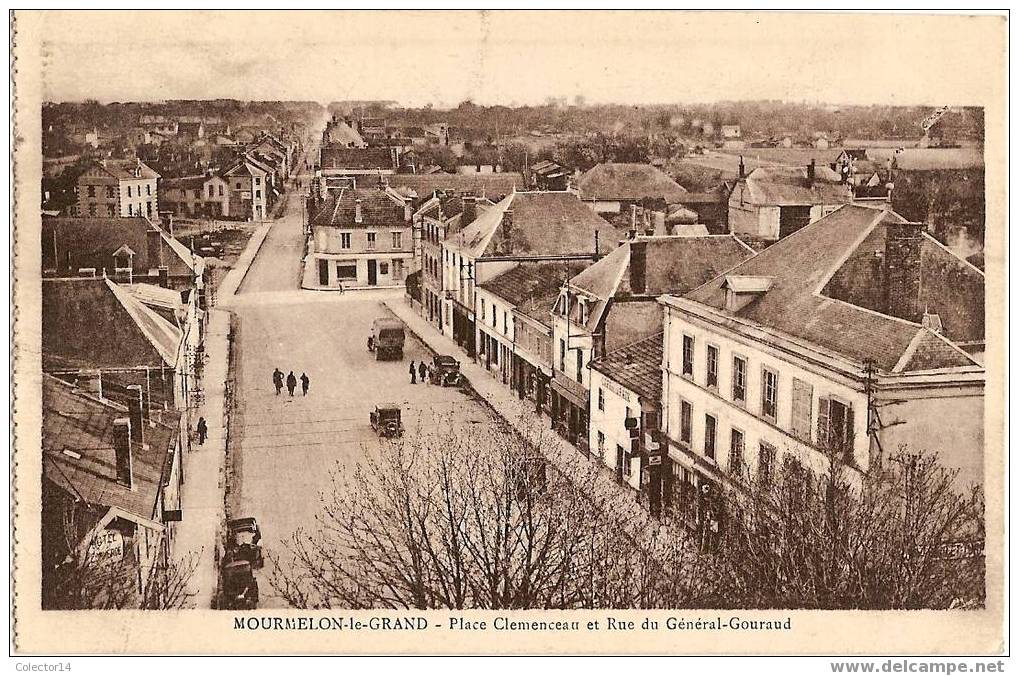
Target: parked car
[
  {"x": 238, "y": 587},
  {"x": 242, "y": 538},
  {"x": 385, "y": 420},
  {"x": 445, "y": 371}
]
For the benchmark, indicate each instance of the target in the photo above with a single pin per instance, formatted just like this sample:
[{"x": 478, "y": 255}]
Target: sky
[{"x": 515, "y": 58}]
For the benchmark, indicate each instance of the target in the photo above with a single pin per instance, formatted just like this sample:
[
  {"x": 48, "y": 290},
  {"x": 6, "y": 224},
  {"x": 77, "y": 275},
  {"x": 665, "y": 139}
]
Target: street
[{"x": 287, "y": 447}]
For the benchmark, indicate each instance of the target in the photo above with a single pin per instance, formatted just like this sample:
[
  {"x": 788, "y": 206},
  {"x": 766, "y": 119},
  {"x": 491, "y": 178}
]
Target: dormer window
[{"x": 742, "y": 289}]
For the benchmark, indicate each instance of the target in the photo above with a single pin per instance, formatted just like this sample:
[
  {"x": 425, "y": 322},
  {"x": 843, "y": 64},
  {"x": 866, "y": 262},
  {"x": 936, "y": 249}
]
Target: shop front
[{"x": 570, "y": 411}]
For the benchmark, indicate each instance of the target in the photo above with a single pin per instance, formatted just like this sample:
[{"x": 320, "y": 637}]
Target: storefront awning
[{"x": 570, "y": 391}]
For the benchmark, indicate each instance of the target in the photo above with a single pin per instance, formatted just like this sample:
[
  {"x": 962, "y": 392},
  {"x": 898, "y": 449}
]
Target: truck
[{"x": 386, "y": 339}]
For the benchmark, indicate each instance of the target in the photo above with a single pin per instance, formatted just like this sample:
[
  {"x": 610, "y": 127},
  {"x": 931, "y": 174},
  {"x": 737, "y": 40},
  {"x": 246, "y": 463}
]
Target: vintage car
[
  {"x": 445, "y": 371},
  {"x": 386, "y": 339},
  {"x": 385, "y": 420},
  {"x": 238, "y": 587},
  {"x": 242, "y": 538}
]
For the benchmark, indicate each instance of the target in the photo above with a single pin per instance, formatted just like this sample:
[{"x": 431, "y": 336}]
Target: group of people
[
  {"x": 421, "y": 371},
  {"x": 291, "y": 382}
]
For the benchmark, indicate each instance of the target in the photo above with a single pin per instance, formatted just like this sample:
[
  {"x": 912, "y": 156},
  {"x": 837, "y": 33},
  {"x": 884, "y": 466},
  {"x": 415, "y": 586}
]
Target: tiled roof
[
  {"x": 95, "y": 323},
  {"x": 624, "y": 181},
  {"x": 82, "y": 424},
  {"x": 801, "y": 264},
  {"x": 90, "y": 242},
  {"x": 544, "y": 223},
  {"x": 378, "y": 207},
  {"x": 125, "y": 169},
  {"x": 776, "y": 185},
  {"x": 492, "y": 186},
  {"x": 528, "y": 281},
  {"x": 637, "y": 366},
  {"x": 183, "y": 183},
  {"x": 674, "y": 265},
  {"x": 337, "y": 157}
]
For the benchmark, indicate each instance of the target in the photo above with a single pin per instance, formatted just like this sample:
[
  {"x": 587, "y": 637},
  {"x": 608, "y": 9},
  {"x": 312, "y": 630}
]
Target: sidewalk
[
  {"x": 520, "y": 415},
  {"x": 202, "y": 497}
]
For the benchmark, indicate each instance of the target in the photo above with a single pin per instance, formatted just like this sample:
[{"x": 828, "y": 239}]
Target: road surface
[{"x": 287, "y": 447}]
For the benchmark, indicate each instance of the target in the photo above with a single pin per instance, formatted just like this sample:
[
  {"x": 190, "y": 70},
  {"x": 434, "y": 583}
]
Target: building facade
[
  {"x": 118, "y": 188},
  {"x": 360, "y": 238}
]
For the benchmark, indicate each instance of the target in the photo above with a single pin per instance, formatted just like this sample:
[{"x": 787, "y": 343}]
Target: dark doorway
[
  {"x": 323, "y": 272},
  {"x": 620, "y": 459},
  {"x": 372, "y": 272}
]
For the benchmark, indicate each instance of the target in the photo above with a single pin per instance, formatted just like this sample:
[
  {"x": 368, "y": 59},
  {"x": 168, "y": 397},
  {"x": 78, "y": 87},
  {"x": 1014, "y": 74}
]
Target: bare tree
[
  {"x": 468, "y": 517},
  {"x": 900, "y": 537}
]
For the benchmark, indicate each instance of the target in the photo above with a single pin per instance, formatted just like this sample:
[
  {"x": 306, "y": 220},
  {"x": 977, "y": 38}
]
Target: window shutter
[
  {"x": 848, "y": 443},
  {"x": 823, "y": 413},
  {"x": 803, "y": 396}
]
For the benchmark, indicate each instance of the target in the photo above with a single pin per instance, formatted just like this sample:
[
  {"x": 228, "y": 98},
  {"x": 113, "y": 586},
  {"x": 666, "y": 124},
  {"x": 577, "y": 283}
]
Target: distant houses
[{"x": 118, "y": 188}]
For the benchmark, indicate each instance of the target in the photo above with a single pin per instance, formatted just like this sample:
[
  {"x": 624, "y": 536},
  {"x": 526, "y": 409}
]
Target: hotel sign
[
  {"x": 617, "y": 389},
  {"x": 106, "y": 547}
]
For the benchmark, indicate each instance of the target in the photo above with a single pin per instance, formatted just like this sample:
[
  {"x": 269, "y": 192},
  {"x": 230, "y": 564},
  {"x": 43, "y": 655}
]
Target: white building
[{"x": 775, "y": 363}]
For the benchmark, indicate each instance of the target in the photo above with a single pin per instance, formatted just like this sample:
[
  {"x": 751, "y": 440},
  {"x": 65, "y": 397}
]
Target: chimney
[
  {"x": 742, "y": 168},
  {"x": 638, "y": 267},
  {"x": 135, "y": 412},
  {"x": 122, "y": 451},
  {"x": 507, "y": 229},
  {"x": 470, "y": 210},
  {"x": 358, "y": 214},
  {"x": 92, "y": 382},
  {"x": 154, "y": 245},
  {"x": 660, "y": 223},
  {"x": 164, "y": 276},
  {"x": 633, "y": 218},
  {"x": 811, "y": 173},
  {"x": 903, "y": 246}
]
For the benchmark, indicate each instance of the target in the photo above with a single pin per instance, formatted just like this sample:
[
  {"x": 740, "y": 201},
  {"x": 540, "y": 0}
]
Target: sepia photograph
[{"x": 397, "y": 325}]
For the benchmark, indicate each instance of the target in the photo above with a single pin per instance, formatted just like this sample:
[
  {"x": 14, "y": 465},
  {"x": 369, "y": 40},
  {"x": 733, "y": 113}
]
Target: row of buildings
[
  {"x": 123, "y": 321},
  {"x": 683, "y": 358},
  {"x": 244, "y": 189}
]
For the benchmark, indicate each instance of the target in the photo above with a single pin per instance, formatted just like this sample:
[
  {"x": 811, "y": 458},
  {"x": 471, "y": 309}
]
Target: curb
[{"x": 254, "y": 246}]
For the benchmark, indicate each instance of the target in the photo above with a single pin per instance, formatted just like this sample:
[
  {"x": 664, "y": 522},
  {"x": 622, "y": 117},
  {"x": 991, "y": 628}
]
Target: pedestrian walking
[
  {"x": 203, "y": 431},
  {"x": 371, "y": 343},
  {"x": 305, "y": 382},
  {"x": 413, "y": 373},
  {"x": 277, "y": 380},
  {"x": 422, "y": 369},
  {"x": 291, "y": 383}
]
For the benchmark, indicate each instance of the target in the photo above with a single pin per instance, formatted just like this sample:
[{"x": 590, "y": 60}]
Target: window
[
  {"x": 383, "y": 268},
  {"x": 739, "y": 379},
  {"x": 198, "y": 194},
  {"x": 111, "y": 210},
  {"x": 580, "y": 365},
  {"x": 130, "y": 210},
  {"x": 687, "y": 355},
  {"x": 238, "y": 185},
  {"x": 736, "y": 443},
  {"x": 346, "y": 270},
  {"x": 148, "y": 190},
  {"x": 627, "y": 466},
  {"x": 344, "y": 240},
  {"x": 562, "y": 354},
  {"x": 601, "y": 444},
  {"x": 710, "y": 429},
  {"x": 803, "y": 400},
  {"x": 91, "y": 191},
  {"x": 769, "y": 394},
  {"x": 397, "y": 240},
  {"x": 835, "y": 427},
  {"x": 148, "y": 209},
  {"x": 765, "y": 464},
  {"x": 258, "y": 181},
  {"x": 220, "y": 191},
  {"x": 686, "y": 422},
  {"x": 601, "y": 399},
  {"x": 505, "y": 322},
  {"x": 258, "y": 194},
  {"x": 371, "y": 241},
  {"x": 110, "y": 192},
  {"x": 493, "y": 315},
  {"x": 712, "y": 377},
  {"x": 128, "y": 190},
  {"x": 483, "y": 312},
  {"x": 91, "y": 209}
]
